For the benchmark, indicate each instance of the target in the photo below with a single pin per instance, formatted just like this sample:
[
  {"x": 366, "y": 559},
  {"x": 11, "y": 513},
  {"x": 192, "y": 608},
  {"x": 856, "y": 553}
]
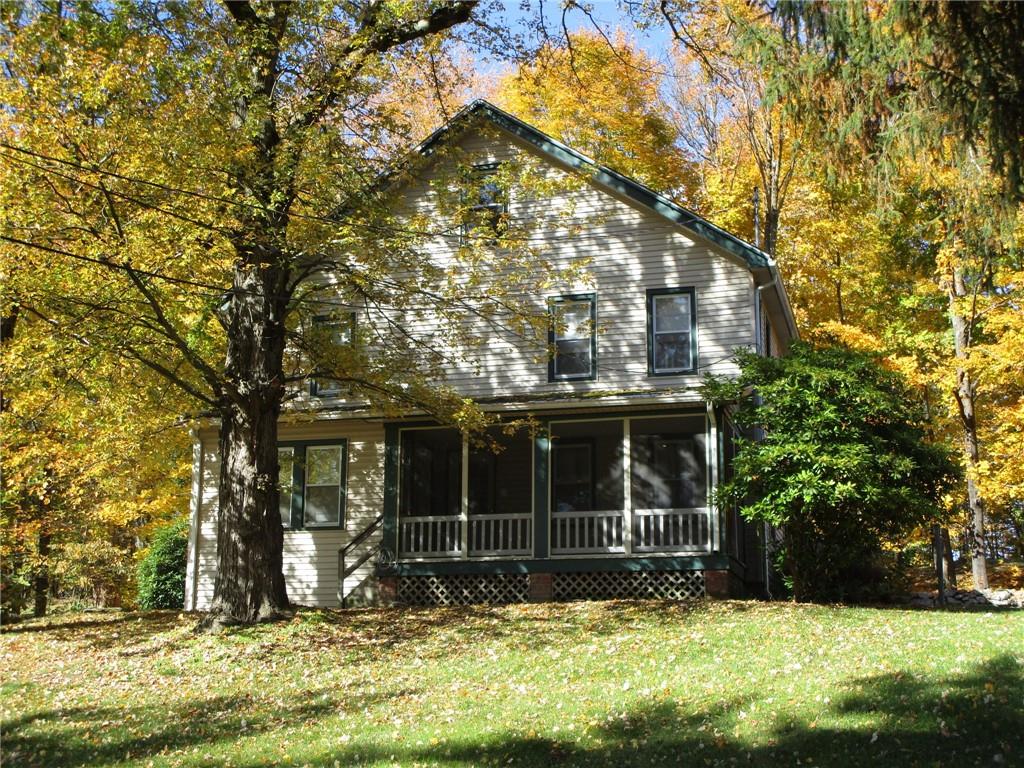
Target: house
[{"x": 610, "y": 494}]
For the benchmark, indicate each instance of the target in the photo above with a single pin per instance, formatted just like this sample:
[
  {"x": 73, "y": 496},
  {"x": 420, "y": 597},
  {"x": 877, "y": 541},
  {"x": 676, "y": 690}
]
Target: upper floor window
[
  {"x": 573, "y": 338},
  {"x": 487, "y": 203},
  {"x": 671, "y": 331},
  {"x": 339, "y": 328}
]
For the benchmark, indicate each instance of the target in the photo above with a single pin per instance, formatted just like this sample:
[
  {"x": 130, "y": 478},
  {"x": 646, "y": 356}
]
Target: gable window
[
  {"x": 671, "y": 331},
  {"x": 312, "y": 480},
  {"x": 572, "y": 338},
  {"x": 487, "y": 203},
  {"x": 339, "y": 329}
]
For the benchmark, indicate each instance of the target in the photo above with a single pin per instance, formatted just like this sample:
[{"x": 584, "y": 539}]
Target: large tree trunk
[
  {"x": 948, "y": 563},
  {"x": 965, "y": 399},
  {"x": 250, "y": 582}
]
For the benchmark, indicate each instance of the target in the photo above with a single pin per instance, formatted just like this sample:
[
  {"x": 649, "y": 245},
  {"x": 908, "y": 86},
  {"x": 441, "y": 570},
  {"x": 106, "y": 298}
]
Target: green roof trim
[{"x": 623, "y": 185}]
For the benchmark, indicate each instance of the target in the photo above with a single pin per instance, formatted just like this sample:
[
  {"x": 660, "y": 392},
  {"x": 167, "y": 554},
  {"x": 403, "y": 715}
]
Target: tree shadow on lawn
[
  {"x": 964, "y": 719},
  {"x": 84, "y": 735},
  {"x": 100, "y": 633},
  {"x": 953, "y": 720}
]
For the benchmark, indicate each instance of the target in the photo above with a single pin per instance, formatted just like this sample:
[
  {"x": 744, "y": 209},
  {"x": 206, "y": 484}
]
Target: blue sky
[{"x": 609, "y": 15}]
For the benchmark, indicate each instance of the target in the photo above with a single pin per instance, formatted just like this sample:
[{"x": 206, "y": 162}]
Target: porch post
[
  {"x": 715, "y": 543},
  {"x": 464, "y": 501},
  {"x": 389, "y": 535},
  {"x": 541, "y": 524},
  {"x": 627, "y": 490}
]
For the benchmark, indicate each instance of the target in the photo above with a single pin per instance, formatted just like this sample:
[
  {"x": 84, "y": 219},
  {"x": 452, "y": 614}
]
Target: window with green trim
[
  {"x": 486, "y": 204},
  {"x": 312, "y": 482},
  {"x": 285, "y": 482},
  {"x": 339, "y": 329},
  {"x": 573, "y": 338},
  {"x": 671, "y": 331}
]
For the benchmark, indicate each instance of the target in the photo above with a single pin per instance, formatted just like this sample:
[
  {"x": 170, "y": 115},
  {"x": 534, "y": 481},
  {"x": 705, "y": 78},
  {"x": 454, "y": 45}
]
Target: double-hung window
[
  {"x": 286, "y": 482},
  {"x": 312, "y": 479},
  {"x": 573, "y": 338},
  {"x": 671, "y": 331},
  {"x": 486, "y": 204},
  {"x": 338, "y": 329}
]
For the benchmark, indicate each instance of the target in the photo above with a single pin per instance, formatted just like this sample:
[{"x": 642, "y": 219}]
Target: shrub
[
  {"x": 161, "y": 577},
  {"x": 843, "y": 464}
]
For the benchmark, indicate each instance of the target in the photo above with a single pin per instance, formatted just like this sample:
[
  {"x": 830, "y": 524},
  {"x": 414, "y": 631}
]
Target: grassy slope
[{"x": 581, "y": 684}]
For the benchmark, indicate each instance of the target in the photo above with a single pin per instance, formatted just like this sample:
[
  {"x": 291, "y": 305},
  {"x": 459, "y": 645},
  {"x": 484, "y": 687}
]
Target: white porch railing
[
  {"x": 431, "y": 536},
  {"x": 592, "y": 532},
  {"x": 509, "y": 534},
  {"x": 671, "y": 530},
  {"x": 572, "y": 533}
]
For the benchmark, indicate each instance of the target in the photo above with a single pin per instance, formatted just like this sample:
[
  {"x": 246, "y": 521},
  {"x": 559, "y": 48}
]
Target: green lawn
[{"x": 582, "y": 684}]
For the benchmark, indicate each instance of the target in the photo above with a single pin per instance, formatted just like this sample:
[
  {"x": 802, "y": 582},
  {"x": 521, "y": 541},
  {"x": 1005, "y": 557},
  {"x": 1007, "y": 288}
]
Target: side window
[
  {"x": 573, "y": 338},
  {"x": 312, "y": 479},
  {"x": 487, "y": 204},
  {"x": 325, "y": 482},
  {"x": 340, "y": 329},
  {"x": 285, "y": 481},
  {"x": 671, "y": 331}
]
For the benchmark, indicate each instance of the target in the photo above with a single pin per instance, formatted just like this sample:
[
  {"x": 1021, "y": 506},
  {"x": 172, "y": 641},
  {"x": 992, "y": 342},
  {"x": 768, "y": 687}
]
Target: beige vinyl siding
[
  {"x": 310, "y": 556},
  {"x": 629, "y": 250}
]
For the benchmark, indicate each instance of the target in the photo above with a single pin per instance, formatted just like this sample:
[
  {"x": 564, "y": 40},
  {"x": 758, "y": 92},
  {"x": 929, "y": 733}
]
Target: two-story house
[{"x": 609, "y": 494}]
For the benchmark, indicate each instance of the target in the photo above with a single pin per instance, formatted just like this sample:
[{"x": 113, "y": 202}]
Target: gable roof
[{"x": 602, "y": 174}]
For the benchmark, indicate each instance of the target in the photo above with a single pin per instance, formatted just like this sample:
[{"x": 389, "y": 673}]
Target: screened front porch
[{"x": 578, "y": 488}]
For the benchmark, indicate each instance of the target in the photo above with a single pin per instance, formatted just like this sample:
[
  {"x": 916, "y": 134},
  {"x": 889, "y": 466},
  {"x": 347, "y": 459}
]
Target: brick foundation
[
  {"x": 717, "y": 584},
  {"x": 387, "y": 590},
  {"x": 540, "y": 588}
]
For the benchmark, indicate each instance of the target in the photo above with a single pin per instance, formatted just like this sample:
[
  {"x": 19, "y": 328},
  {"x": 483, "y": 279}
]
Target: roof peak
[{"x": 601, "y": 174}]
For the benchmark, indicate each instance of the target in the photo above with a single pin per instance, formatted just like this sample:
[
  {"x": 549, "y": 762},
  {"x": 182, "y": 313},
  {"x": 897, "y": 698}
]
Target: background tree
[
  {"x": 842, "y": 466},
  {"x": 917, "y": 72},
  {"x": 903, "y": 85},
  {"x": 601, "y": 95},
  {"x": 723, "y": 65}
]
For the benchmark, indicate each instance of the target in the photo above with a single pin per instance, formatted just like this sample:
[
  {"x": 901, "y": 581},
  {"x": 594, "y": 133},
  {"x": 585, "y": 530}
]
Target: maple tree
[
  {"x": 182, "y": 170},
  {"x": 923, "y": 115},
  {"x": 622, "y": 122},
  {"x": 747, "y": 142}
]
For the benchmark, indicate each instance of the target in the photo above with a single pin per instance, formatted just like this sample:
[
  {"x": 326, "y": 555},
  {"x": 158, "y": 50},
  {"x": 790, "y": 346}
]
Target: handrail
[
  {"x": 362, "y": 535},
  {"x": 343, "y": 572}
]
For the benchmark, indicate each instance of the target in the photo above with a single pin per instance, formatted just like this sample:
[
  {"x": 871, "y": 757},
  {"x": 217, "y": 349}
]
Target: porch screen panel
[
  {"x": 431, "y": 473},
  {"x": 587, "y": 486},
  {"x": 501, "y": 494},
  {"x": 430, "y": 483},
  {"x": 668, "y": 483}
]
